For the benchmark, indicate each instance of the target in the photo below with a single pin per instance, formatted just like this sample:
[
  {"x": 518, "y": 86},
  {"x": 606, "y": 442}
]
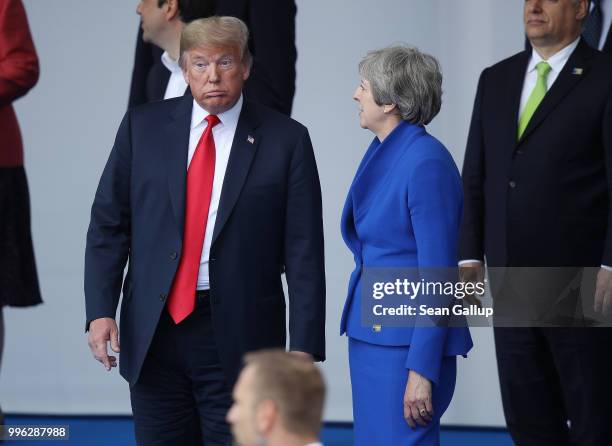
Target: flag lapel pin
[
  {"x": 250, "y": 139},
  {"x": 577, "y": 71}
]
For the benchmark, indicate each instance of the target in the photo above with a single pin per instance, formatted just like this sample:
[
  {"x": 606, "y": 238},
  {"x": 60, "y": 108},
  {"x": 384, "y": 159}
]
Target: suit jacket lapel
[
  {"x": 378, "y": 161},
  {"x": 176, "y": 147},
  {"x": 510, "y": 101},
  {"x": 566, "y": 81},
  {"x": 244, "y": 147},
  {"x": 347, "y": 226},
  {"x": 347, "y": 222}
]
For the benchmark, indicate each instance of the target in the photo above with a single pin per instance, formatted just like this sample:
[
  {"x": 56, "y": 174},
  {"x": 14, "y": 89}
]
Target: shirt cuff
[
  {"x": 607, "y": 267},
  {"x": 463, "y": 262}
]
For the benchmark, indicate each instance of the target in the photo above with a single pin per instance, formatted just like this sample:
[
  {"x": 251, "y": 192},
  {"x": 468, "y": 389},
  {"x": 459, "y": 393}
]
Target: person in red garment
[{"x": 18, "y": 73}]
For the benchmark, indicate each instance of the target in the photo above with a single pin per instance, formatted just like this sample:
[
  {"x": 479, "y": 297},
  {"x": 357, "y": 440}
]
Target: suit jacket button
[
  {"x": 163, "y": 296},
  {"x": 173, "y": 256},
  {"x": 512, "y": 184}
]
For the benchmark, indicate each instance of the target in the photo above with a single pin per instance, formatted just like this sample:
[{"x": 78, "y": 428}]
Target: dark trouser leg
[
  {"x": 531, "y": 389},
  {"x": 213, "y": 396},
  {"x": 162, "y": 401},
  {"x": 584, "y": 364},
  {"x": 181, "y": 396}
]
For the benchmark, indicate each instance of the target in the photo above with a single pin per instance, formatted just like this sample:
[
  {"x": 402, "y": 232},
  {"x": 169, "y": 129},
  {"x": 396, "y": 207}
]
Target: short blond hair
[
  {"x": 216, "y": 31},
  {"x": 294, "y": 384}
]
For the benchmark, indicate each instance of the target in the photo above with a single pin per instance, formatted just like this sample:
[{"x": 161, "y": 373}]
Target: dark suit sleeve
[
  {"x": 607, "y": 144},
  {"x": 471, "y": 239},
  {"x": 272, "y": 26},
  {"x": 303, "y": 253},
  {"x": 108, "y": 237},
  {"x": 18, "y": 60}
]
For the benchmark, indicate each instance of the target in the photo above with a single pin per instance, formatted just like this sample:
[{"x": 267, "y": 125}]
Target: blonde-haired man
[
  {"x": 278, "y": 401},
  {"x": 211, "y": 197}
]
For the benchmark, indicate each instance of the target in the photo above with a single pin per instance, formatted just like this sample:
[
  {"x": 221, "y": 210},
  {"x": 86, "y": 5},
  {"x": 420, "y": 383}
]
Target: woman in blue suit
[{"x": 403, "y": 210}]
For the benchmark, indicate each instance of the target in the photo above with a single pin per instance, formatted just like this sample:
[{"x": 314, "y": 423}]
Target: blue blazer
[{"x": 404, "y": 209}]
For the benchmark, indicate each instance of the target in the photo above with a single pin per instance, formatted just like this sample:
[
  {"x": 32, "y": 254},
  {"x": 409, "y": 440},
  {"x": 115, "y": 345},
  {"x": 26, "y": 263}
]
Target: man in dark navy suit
[
  {"x": 210, "y": 197},
  {"x": 537, "y": 182}
]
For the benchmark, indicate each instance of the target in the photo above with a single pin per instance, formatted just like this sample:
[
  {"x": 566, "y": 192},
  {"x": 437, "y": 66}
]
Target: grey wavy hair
[{"x": 404, "y": 76}]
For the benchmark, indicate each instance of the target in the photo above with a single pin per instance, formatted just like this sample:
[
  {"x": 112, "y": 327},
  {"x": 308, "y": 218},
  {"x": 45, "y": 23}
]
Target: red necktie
[{"x": 200, "y": 175}]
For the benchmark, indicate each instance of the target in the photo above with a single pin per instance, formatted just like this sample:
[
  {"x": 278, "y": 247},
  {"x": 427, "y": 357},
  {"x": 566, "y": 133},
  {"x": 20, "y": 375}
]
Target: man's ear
[
  {"x": 265, "y": 416},
  {"x": 171, "y": 9},
  {"x": 583, "y": 9},
  {"x": 246, "y": 72},
  {"x": 184, "y": 61}
]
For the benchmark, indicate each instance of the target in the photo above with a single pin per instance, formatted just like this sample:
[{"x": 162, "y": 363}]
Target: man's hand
[
  {"x": 472, "y": 272},
  {"x": 304, "y": 355},
  {"x": 603, "y": 292},
  {"x": 101, "y": 331},
  {"x": 418, "y": 407}
]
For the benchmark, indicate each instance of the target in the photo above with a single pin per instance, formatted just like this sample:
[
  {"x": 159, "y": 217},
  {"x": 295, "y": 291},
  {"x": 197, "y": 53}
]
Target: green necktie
[{"x": 538, "y": 93}]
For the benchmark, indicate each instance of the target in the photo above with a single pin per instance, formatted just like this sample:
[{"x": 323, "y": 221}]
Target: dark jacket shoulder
[
  {"x": 510, "y": 63},
  {"x": 160, "y": 106},
  {"x": 269, "y": 117}
]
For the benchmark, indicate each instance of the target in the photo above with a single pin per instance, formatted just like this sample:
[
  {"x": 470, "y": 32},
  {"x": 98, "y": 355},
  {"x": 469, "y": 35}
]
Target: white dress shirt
[
  {"x": 314, "y": 444},
  {"x": 176, "y": 84},
  {"x": 556, "y": 62},
  {"x": 223, "y": 134}
]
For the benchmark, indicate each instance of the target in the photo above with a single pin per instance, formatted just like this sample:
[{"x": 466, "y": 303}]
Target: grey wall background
[{"x": 69, "y": 122}]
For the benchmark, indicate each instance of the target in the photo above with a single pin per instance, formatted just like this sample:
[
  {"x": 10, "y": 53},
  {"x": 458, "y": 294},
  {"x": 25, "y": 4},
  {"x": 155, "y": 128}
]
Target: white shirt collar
[
  {"x": 229, "y": 117},
  {"x": 314, "y": 444},
  {"x": 557, "y": 61},
  {"x": 171, "y": 64}
]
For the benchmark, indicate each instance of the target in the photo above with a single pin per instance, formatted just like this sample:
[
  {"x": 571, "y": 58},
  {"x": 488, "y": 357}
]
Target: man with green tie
[{"x": 537, "y": 182}]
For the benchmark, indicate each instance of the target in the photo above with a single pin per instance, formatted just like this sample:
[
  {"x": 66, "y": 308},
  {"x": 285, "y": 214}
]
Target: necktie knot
[
  {"x": 543, "y": 68},
  {"x": 212, "y": 120}
]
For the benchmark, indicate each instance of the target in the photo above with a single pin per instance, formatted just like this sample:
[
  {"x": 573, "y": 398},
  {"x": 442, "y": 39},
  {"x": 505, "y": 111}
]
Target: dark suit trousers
[
  {"x": 181, "y": 396},
  {"x": 556, "y": 385}
]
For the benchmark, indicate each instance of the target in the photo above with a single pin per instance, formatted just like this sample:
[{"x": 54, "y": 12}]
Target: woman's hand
[{"x": 418, "y": 408}]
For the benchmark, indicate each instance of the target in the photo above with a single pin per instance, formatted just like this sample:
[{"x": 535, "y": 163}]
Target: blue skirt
[{"x": 378, "y": 380}]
